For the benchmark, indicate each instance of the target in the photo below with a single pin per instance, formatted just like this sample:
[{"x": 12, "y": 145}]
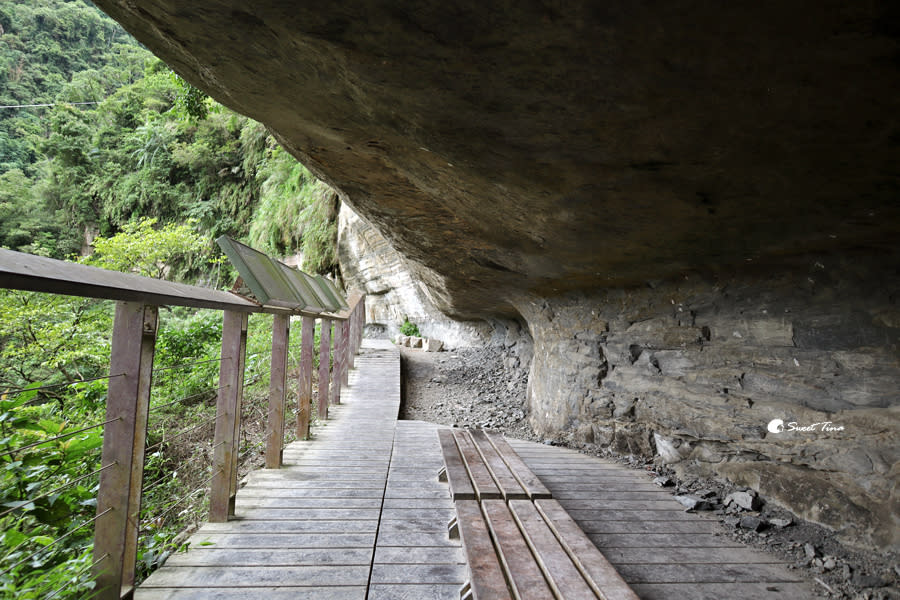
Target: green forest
[{"x": 109, "y": 158}]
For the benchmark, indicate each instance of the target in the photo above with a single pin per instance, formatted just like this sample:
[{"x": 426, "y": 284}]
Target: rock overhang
[{"x": 540, "y": 148}]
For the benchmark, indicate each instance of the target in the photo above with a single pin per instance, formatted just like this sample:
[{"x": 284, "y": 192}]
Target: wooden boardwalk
[
  {"x": 659, "y": 549},
  {"x": 358, "y": 514}
]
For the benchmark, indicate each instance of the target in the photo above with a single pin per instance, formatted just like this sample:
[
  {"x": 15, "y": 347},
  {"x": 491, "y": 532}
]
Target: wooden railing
[{"x": 131, "y": 369}]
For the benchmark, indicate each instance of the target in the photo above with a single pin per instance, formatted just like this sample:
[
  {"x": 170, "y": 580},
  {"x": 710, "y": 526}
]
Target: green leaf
[{"x": 43, "y": 540}]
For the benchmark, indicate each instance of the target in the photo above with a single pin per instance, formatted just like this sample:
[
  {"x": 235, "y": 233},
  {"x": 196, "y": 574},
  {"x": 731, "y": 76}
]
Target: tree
[{"x": 149, "y": 251}]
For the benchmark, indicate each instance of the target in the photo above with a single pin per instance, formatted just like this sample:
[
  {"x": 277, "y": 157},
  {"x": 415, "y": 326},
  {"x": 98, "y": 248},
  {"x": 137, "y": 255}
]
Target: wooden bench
[{"x": 520, "y": 543}]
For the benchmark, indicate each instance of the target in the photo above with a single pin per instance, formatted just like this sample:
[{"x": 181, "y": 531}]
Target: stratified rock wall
[
  {"x": 369, "y": 263},
  {"x": 695, "y": 370}
]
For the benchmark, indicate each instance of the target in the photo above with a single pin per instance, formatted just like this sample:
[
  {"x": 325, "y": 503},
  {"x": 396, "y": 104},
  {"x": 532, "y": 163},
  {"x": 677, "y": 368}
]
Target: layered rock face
[
  {"x": 543, "y": 161},
  {"x": 784, "y": 380},
  {"x": 370, "y": 264}
]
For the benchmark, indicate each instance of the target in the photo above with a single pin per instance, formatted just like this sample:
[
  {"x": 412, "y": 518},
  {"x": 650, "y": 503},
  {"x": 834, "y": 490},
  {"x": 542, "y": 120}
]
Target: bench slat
[
  {"x": 525, "y": 576},
  {"x": 457, "y": 476},
  {"x": 486, "y": 575},
  {"x": 530, "y": 482},
  {"x": 600, "y": 574},
  {"x": 507, "y": 483},
  {"x": 565, "y": 579},
  {"x": 485, "y": 488}
]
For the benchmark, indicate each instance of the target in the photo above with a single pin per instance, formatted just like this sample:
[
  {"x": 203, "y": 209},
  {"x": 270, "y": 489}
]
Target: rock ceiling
[{"x": 540, "y": 147}]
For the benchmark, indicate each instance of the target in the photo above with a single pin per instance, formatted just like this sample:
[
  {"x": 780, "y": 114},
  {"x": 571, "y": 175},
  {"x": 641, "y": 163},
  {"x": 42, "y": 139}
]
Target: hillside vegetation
[
  {"x": 132, "y": 169},
  {"x": 147, "y": 145}
]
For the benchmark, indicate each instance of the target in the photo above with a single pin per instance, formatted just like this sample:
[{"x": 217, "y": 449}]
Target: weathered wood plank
[
  {"x": 526, "y": 577},
  {"x": 599, "y": 573},
  {"x": 661, "y": 540},
  {"x": 21, "y": 271},
  {"x": 692, "y": 526},
  {"x": 409, "y": 591},
  {"x": 281, "y": 331},
  {"x": 705, "y": 573},
  {"x": 717, "y": 591},
  {"x": 482, "y": 482},
  {"x": 269, "y": 593},
  {"x": 457, "y": 477},
  {"x": 419, "y": 573},
  {"x": 487, "y": 578},
  {"x": 530, "y": 482},
  {"x": 206, "y": 556},
  {"x": 507, "y": 483},
  {"x": 564, "y": 578},
  {"x": 687, "y": 555},
  {"x": 251, "y": 577},
  {"x": 287, "y": 540}
]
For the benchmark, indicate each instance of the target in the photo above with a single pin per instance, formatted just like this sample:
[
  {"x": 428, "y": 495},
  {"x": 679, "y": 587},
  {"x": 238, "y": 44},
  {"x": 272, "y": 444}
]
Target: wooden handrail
[{"x": 133, "y": 345}]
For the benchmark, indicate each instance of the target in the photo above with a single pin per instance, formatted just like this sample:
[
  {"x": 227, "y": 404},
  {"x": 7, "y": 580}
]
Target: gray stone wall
[
  {"x": 369, "y": 263},
  {"x": 695, "y": 371}
]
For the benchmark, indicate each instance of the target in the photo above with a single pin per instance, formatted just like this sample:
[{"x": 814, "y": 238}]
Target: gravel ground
[{"x": 486, "y": 388}]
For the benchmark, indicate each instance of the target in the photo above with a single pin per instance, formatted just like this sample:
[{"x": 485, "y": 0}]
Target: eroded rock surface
[
  {"x": 697, "y": 371},
  {"x": 549, "y": 147}
]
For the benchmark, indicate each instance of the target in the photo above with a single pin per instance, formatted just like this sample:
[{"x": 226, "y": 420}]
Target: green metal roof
[{"x": 274, "y": 283}]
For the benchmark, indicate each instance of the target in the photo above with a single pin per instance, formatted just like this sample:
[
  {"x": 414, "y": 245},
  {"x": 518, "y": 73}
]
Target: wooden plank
[
  {"x": 487, "y": 580},
  {"x": 687, "y": 555},
  {"x": 529, "y": 481},
  {"x": 507, "y": 483},
  {"x": 457, "y": 476},
  {"x": 525, "y": 576},
  {"x": 324, "y": 366},
  {"x": 304, "y": 388},
  {"x": 661, "y": 540},
  {"x": 228, "y": 410},
  {"x": 254, "y": 577},
  {"x": 269, "y": 593},
  {"x": 706, "y": 573},
  {"x": 22, "y": 271},
  {"x": 124, "y": 440},
  {"x": 482, "y": 482},
  {"x": 337, "y": 372},
  {"x": 717, "y": 591},
  {"x": 564, "y": 577},
  {"x": 281, "y": 327},
  {"x": 600, "y": 574}
]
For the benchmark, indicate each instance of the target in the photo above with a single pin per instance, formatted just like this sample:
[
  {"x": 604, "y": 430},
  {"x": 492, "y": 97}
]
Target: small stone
[
  {"x": 829, "y": 563},
  {"x": 752, "y": 523},
  {"x": 732, "y": 521},
  {"x": 809, "y": 550},
  {"x": 867, "y": 581},
  {"x": 663, "y": 481},
  {"x": 780, "y": 523},
  {"x": 415, "y": 342},
  {"x": 745, "y": 500},
  {"x": 706, "y": 493},
  {"x": 691, "y": 502}
]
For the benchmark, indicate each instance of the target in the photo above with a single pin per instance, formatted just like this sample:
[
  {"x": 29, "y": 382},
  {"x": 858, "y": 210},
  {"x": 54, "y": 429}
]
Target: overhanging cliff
[{"x": 693, "y": 207}]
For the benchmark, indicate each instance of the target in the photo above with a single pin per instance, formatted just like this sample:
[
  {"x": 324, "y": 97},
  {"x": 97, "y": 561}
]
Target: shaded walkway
[{"x": 358, "y": 513}]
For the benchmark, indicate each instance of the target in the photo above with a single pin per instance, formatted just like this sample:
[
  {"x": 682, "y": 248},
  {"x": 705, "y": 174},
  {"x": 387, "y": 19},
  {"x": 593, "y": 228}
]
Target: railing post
[
  {"x": 347, "y": 353},
  {"x": 362, "y": 322},
  {"x": 228, "y": 416},
  {"x": 281, "y": 331},
  {"x": 304, "y": 394},
  {"x": 336, "y": 377},
  {"x": 324, "y": 359},
  {"x": 124, "y": 440},
  {"x": 354, "y": 325}
]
